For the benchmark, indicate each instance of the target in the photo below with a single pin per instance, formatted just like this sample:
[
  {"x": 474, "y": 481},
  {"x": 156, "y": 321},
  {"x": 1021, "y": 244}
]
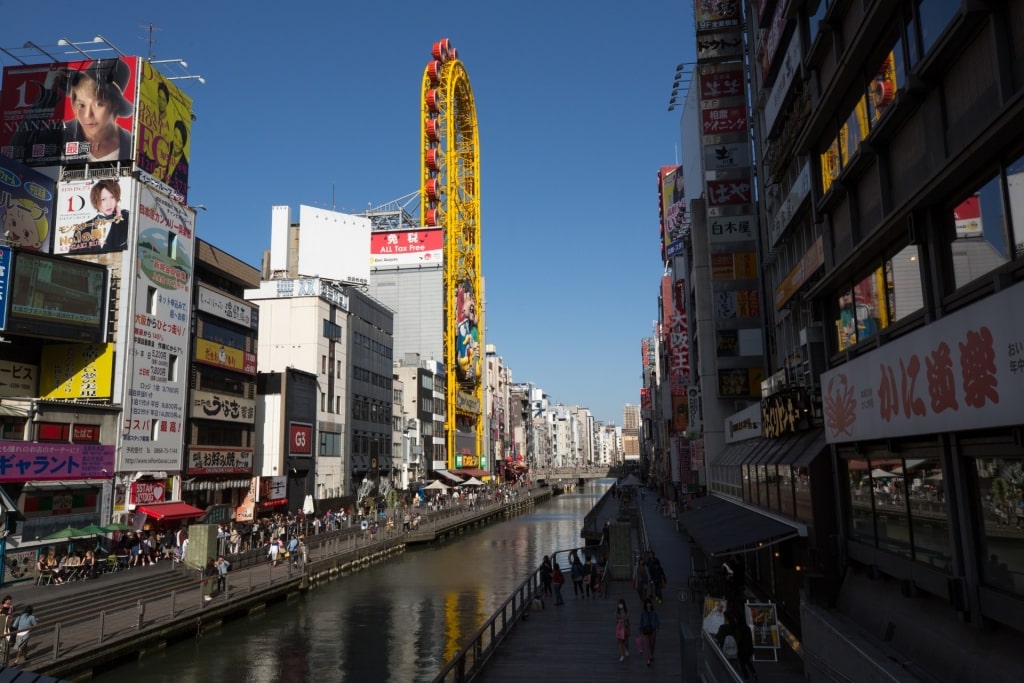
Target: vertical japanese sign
[
  {"x": 5, "y": 277},
  {"x": 165, "y": 125},
  {"x": 152, "y": 430}
]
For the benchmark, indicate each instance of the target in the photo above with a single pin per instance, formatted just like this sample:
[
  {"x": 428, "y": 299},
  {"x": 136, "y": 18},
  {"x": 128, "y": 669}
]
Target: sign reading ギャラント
[{"x": 965, "y": 371}]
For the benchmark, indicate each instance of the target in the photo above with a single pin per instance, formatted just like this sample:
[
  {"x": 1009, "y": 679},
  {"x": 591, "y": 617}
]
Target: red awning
[{"x": 169, "y": 511}]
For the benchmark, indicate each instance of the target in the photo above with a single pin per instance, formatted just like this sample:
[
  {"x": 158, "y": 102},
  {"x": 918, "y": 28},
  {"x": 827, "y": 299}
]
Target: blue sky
[{"x": 318, "y": 103}]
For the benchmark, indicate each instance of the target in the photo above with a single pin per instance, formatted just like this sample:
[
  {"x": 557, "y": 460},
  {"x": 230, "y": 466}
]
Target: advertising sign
[
  {"x": 300, "y": 439},
  {"x": 729, "y": 192},
  {"x": 227, "y": 357},
  {"x": 967, "y": 216},
  {"x": 722, "y": 83},
  {"x": 226, "y": 308},
  {"x": 18, "y": 379},
  {"x": 47, "y": 115},
  {"x": 5, "y": 274},
  {"x": 75, "y": 371},
  {"x": 273, "y": 488},
  {"x": 165, "y": 124},
  {"x": 679, "y": 341},
  {"x": 810, "y": 262},
  {"x": 726, "y": 156},
  {"x": 723, "y": 120},
  {"x": 763, "y": 622},
  {"x": 26, "y": 206},
  {"x": 467, "y": 334},
  {"x": 210, "y": 405},
  {"x": 29, "y": 461},
  {"x": 716, "y": 47},
  {"x": 713, "y": 15},
  {"x": 53, "y": 297},
  {"x": 158, "y": 377},
  {"x": 407, "y": 247},
  {"x": 219, "y": 461},
  {"x": 965, "y": 371},
  {"x": 147, "y": 492},
  {"x": 730, "y": 229},
  {"x": 93, "y": 216}
]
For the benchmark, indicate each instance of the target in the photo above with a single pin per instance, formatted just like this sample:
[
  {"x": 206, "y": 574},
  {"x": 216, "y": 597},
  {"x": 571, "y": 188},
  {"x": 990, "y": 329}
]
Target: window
[
  {"x": 323, "y": 365},
  {"x": 980, "y": 242},
  {"x": 1015, "y": 192},
  {"x": 932, "y": 17},
  {"x": 53, "y": 431},
  {"x": 151, "y": 299},
  {"x": 330, "y": 444},
  {"x": 1001, "y": 495},
  {"x": 172, "y": 367},
  {"x": 890, "y": 292}
]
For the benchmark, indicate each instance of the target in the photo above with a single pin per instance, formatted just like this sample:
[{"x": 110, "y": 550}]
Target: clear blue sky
[{"x": 318, "y": 103}]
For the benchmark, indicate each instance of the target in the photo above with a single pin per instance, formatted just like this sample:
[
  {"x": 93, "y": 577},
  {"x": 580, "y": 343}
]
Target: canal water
[{"x": 398, "y": 620}]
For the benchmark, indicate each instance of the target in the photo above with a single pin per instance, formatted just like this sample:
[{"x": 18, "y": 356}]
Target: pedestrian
[
  {"x": 545, "y": 576},
  {"x": 744, "y": 649},
  {"x": 588, "y": 577},
  {"x": 272, "y": 551},
  {"x": 209, "y": 573},
  {"x": 223, "y": 567},
  {"x": 649, "y": 625},
  {"x": 22, "y": 626},
  {"x": 6, "y": 619},
  {"x": 576, "y": 573},
  {"x": 557, "y": 580},
  {"x": 293, "y": 550},
  {"x": 657, "y": 573},
  {"x": 622, "y": 628},
  {"x": 642, "y": 580}
]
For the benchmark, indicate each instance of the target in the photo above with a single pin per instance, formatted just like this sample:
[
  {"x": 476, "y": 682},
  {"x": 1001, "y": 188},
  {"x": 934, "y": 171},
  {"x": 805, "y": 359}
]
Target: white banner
[{"x": 225, "y": 307}]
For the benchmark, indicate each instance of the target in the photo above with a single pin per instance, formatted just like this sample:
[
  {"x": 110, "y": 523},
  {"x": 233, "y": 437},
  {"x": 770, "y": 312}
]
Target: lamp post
[{"x": 681, "y": 84}]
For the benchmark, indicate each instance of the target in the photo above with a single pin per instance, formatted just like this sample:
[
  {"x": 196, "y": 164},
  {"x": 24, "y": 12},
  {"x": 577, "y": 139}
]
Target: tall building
[
  {"x": 631, "y": 432},
  {"x": 876, "y": 481}
]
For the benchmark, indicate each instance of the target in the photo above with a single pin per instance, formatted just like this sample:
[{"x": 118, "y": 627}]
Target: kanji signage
[
  {"x": 25, "y": 461},
  {"x": 219, "y": 461},
  {"x": 965, "y": 371}
]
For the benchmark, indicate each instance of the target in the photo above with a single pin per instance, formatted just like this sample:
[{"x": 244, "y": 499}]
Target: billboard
[
  {"x": 158, "y": 376},
  {"x": 93, "y": 216},
  {"x": 224, "y": 307},
  {"x": 69, "y": 112},
  {"x": 30, "y": 461},
  {"x": 407, "y": 247},
  {"x": 56, "y": 297},
  {"x": 5, "y": 283},
  {"x": 227, "y": 357},
  {"x": 18, "y": 379},
  {"x": 26, "y": 206},
  {"x": 76, "y": 371},
  {"x": 219, "y": 461},
  {"x": 467, "y": 334},
  {"x": 164, "y": 130}
]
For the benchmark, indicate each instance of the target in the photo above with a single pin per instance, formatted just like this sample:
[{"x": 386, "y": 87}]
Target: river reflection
[{"x": 399, "y": 620}]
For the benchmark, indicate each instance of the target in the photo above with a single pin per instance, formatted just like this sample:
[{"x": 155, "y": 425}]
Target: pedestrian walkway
[{"x": 577, "y": 641}]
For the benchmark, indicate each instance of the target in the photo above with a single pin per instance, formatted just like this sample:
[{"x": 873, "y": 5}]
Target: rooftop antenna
[{"x": 150, "y": 40}]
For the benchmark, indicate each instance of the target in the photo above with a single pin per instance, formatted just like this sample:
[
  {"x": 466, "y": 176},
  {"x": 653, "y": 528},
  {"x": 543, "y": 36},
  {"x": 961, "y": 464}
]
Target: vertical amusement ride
[{"x": 450, "y": 199}]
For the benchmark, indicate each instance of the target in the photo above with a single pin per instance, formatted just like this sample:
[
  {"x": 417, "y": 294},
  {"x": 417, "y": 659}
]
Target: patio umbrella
[
  {"x": 92, "y": 530},
  {"x": 878, "y": 473},
  {"x": 437, "y": 484},
  {"x": 307, "y": 505},
  {"x": 117, "y": 526},
  {"x": 472, "y": 481},
  {"x": 69, "y": 532}
]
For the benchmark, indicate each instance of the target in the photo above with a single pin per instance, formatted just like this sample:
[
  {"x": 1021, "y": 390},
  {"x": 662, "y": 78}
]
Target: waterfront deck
[
  {"x": 577, "y": 641},
  {"x": 95, "y": 624}
]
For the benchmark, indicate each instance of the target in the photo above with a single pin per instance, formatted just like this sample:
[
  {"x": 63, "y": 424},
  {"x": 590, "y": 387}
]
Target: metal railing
[{"x": 469, "y": 662}]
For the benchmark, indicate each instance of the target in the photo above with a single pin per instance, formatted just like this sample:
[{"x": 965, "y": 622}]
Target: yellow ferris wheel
[{"x": 450, "y": 199}]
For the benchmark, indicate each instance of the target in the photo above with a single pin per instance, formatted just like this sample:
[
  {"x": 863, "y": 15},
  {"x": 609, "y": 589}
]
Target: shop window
[
  {"x": 929, "y": 522},
  {"x": 904, "y": 294},
  {"x": 886, "y": 82},
  {"x": 863, "y": 310},
  {"x": 802, "y": 495},
  {"x": 12, "y": 428},
  {"x": 53, "y": 431},
  {"x": 854, "y": 131},
  {"x": 888, "y": 491},
  {"x": 862, "y": 522},
  {"x": 980, "y": 242},
  {"x": 786, "y": 503},
  {"x": 1001, "y": 492},
  {"x": 766, "y": 476}
]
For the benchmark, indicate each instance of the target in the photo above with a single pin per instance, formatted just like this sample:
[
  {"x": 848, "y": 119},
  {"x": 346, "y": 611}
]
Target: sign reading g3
[{"x": 300, "y": 439}]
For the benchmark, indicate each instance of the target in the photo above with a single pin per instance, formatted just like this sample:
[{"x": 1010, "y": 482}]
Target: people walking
[
  {"x": 649, "y": 625},
  {"x": 545, "y": 576},
  {"x": 209, "y": 574},
  {"x": 576, "y": 573},
  {"x": 642, "y": 580},
  {"x": 622, "y": 628},
  {"x": 6, "y": 633},
  {"x": 589, "y": 569},
  {"x": 22, "y": 626},
  {"x": 657, "y": 573},
  {"x": 223, "y": 566},
  {"x": 744, "y": 649},
  {"x": 557, "y": 581}
]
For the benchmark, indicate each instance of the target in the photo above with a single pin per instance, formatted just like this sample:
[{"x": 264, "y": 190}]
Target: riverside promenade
[
  {"x": 93, "y": 625},
  {"x": 576, "y": 641}
]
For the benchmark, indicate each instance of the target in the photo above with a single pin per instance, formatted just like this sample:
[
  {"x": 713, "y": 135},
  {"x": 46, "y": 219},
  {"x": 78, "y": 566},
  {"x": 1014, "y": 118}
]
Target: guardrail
[{"x": 469, "y": 662}]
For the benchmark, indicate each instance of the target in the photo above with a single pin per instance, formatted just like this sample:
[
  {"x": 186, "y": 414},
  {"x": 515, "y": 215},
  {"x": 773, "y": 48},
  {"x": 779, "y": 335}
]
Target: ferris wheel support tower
[{"x": 450, "y": 199}]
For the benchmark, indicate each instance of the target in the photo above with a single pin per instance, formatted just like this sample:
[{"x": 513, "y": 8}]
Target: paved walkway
[{"x": 577, "y": 641}]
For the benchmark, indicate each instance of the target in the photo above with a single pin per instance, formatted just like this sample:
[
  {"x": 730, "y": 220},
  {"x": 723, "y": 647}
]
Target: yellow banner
[{"x": 76, "y": 371}]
